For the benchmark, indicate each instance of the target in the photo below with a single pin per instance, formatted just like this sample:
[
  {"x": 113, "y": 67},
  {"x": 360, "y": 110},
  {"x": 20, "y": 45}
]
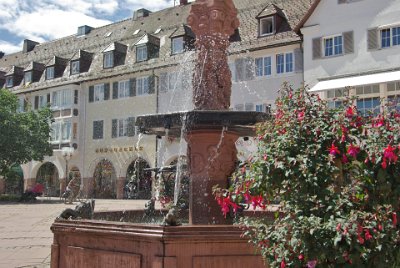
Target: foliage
[
  {"x": 336, "y": 176},
  {"x": 23, "y": 136},
  {"x": 9, "y": 198}
]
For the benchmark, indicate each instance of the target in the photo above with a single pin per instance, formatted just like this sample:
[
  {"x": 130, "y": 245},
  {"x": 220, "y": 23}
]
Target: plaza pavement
[{"x": 25, "y": 236}]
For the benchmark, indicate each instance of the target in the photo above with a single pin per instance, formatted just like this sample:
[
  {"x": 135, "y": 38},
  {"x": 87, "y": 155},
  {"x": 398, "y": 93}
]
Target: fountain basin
[
  {"x": 89, "y": 243},
  {"x": 240, "y": 122}
]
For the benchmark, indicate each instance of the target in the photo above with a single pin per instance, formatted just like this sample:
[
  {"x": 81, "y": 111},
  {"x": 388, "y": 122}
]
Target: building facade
[
  {"x": 100, "y": 79},
  {"x": 353, "y": 47}
]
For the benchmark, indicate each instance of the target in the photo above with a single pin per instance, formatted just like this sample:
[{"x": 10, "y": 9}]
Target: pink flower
[
  {"x": 368, "y": 235},
  {"x": 312, "y": 264},
  {"x": 283, "y": 264},
  {"x": 350, "y": 112},
  {"x": 334, "y": 150},
  {"x": 353, "y": 150},
  {"x": 384, "y": 164},
  {"x": 301, "y": 257},
  {"x": 360, "y": 240},
  {"x": 345, "y": 159},
  {"x": 338, "y": 227},
  {"x": 300, "y": 115},
  {"x": 389, "y": 154},
  {"x": 394, "y": 219}
]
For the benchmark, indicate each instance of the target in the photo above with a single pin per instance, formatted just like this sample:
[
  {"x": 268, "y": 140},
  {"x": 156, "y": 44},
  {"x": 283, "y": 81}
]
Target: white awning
[{"x": 357, "y": 81}]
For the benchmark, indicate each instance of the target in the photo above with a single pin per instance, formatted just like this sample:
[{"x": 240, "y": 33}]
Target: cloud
[{"x": 9, "y": 48}]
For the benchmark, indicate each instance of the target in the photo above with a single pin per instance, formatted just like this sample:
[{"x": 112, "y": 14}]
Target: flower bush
[{"x": 336, "y": 177}]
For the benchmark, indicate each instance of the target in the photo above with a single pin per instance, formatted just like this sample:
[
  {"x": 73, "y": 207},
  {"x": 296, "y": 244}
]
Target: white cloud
[{"x": 9, "y": 48}]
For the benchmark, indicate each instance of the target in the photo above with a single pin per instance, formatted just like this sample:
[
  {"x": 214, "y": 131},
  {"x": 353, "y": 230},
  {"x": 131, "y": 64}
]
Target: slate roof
[{"x": 170, "y": 21}]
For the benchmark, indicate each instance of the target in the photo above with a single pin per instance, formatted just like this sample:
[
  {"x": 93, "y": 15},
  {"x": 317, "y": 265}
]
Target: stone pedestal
[
  {"x": 92, "y": 244},
  {"x": 212, "y": 158}
]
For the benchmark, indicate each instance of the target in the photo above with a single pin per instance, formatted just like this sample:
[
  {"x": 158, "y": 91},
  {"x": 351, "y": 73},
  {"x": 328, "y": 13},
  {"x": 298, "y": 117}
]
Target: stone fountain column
[{"x": 212, "y": 152}]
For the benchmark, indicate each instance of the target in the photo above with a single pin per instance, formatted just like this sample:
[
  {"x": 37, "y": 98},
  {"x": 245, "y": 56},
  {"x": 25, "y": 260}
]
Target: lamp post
[{"x": 67, "y": 153}]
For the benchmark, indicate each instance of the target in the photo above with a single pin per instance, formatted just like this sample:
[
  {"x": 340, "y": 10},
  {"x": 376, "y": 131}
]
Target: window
[
  {"x": 9, "y": 81},
  {"x": 394, "y": 86},
  {"x": 99, "y": 92},
  {"x": 21, "y": 104},
  {"x": 142, "y": 86},
  {"x": 368, "y": 106},
  {"x": 239, "y": 107},
  {"x": 267, "y": 26},
  {"x": 123, "y": 89},
  {"x": 394, "y": 103},
  {"x": 284, "y": 63},
  {"x": 75, "y": 67},
  {"x": 367, "y": 89},
  {"x": 108, "y": 59},
  {"x": 333, "y": 104},
  {"x": 98, "y": 130},
  {"x": 259, "y": 108},
  {"x": 141, "y": 53},
  {"x": 28, "y": 78},
  {"x": 123, "y": 127},
  {"x": 62, "y": 98},
  {"x": 336, "y": 93},
  {"x": 390, "y": 37},
  {"x": 50, "y": 73},
  {"x": 42, "y": 101},
  {"x": 333, "y": 45},
  {"x": 263, "y": 66},
  {"x": 61, "y": 132},
  {"x": 177, "y": 45}
]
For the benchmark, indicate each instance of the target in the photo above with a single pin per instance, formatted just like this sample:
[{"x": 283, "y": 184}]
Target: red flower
[
  {"x": 353, "y": 150},
  {"x": 334, "y": 150},
  {"x": 389, "y": 154},
  {"x": 300, "y": 115},
  {"x": 344, "y": 159},
  {"x": 360, "y": 239},
  {"x": 301, "y": 257},
  {"x": 350, "y": 112},
  {"x": 384, "y": 164},
  {"x": 283, "y": 264},
  {"x": 338, "y": 227},
  {"x": 368, "y": 235},
  {"x": 265, "y": 157}
]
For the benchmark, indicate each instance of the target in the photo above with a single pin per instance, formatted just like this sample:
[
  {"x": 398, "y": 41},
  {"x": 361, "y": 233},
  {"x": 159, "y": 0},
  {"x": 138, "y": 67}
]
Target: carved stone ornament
[{"x": 213, "y": 22}]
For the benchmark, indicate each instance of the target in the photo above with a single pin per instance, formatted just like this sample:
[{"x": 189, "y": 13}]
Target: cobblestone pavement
[{"x": 25, "y": 236}]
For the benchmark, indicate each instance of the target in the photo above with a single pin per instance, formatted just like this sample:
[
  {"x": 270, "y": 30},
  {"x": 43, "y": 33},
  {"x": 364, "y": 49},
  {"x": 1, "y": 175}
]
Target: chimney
[
  {"x": 141, "y": 13},
  {"x": 1, "y": 54},
  {"x": 84, "y": 30},
  {"x": 183, "y": 2},
  {"x": 29, "y": 45}
]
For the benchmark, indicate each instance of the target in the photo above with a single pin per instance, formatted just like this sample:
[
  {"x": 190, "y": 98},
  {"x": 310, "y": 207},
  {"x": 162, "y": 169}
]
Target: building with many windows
[
  {"x": 353, "y": 47},
  {"x": 100, "y": 79}
]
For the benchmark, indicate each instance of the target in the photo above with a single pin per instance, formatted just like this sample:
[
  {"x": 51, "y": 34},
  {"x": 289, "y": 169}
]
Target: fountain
[{"x": 211, "y": 131}]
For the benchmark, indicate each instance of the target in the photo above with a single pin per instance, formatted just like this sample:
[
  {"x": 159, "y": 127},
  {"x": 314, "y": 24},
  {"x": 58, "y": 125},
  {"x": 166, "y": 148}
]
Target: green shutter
[
  {"x": 115, "y": 90},
  {"x": 91, "y": 93},
  {"x": 131, "y": 126},
  {"x": 114, "y": 128},
  {"x": 106, "y": 91},
  {"x": 132, "y": 87}
]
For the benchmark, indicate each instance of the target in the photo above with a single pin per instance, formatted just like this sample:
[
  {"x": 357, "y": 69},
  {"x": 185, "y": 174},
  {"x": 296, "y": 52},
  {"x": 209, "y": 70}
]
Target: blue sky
[{"x": 44, "y": 20}]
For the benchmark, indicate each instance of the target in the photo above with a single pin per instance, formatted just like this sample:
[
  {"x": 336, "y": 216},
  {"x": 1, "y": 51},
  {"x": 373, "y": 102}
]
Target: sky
[{"x": 45, "y": 20}]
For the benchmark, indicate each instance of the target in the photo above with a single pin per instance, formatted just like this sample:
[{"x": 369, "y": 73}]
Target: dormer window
[
  {"x": 50, "y": 73},
  {"x": 147, "y": 47},
  {"x": 75, "y": 67},
  {"x": 28, "y": 78},
  {"x": 267, "y": 26},
  {"x": 141, "y": 53},
  {"x": 9, "y": 81},
  {"x": 108, "y": 59},
  {"x": 177, "y": 45},
  {"x": 114, "y": 55}
]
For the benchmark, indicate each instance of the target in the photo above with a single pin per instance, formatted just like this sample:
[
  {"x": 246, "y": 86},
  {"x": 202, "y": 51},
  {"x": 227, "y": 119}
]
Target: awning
[{"x": 357, "y": 81}]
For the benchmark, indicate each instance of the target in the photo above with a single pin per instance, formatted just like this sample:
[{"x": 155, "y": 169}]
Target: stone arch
[
  {"x": 48, "y": 176},
  {"x": 138, "y": 180},
  {"x": 14, "y": 180},
  {"x": 104, "y": 180}
]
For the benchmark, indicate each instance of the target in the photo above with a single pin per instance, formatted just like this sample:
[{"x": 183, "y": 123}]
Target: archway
[
  {"x": 104, "y": 180},
  {"x": 47, "y": 175},
  {"x": 14, "y": 180},
  {"x": 138, "y": 180}
]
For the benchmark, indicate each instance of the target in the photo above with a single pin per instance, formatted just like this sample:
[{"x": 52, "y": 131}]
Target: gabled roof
[
  {"x": 56, "y": 61},
  {"x": 34, "y": 66},
  {"x": 306, "y": 16},
  {"x": 271, "y": 10},
  {"x": 148, "y": 38},
  {"x": 81, "y": 54},
  {"x": 183, "y": 30},
  {"x": 115, "y": 46},
  {"x": 15, "y": 70}
]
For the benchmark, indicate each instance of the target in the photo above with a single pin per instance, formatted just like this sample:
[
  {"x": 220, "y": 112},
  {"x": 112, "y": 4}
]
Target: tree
[
  {"x": 23, "y": 136},
  {"x": 335, "y": 174}
]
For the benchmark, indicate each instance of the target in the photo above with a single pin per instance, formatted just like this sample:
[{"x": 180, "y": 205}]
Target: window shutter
[
  {"x": 76, "y": 96},
  {"x": 132, "y": 87},
  {"x": 152, "y": 84},
  {"x": 373, "y": 39},
  {"x": 36, "y": 104},
  {"x": 316, "y": 44},
  {"x": 163, "y": 83},
  {"x": 106, "y": 91},
  {"x": 131, "y": 126},
  {"x": 48, "y": 99},
  {"x": 114, "y": 128},
  {"x": 91, "y": 93},
  {"x": 115, "y": 90},
  {"x": 348, "y": 42},
  {"x": 298, "y": 60}
]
